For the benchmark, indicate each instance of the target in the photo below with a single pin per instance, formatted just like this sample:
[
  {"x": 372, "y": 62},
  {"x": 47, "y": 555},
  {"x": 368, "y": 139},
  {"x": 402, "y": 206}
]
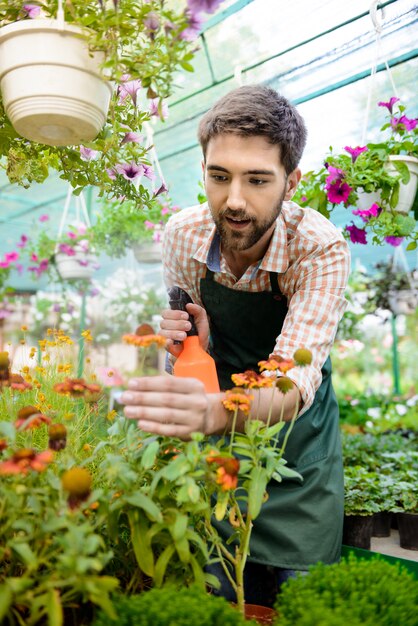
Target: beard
[{"x": 243, "y": 240}]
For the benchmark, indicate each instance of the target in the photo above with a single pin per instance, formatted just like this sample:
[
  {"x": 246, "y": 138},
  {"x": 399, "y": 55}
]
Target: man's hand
[
  {"x": 166, "y": 405},
  {"x": 175, "y": 325}
]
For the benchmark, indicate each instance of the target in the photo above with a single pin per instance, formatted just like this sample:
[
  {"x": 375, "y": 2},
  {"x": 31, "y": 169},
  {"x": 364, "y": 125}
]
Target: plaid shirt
[{"x": 312, "y": 261}]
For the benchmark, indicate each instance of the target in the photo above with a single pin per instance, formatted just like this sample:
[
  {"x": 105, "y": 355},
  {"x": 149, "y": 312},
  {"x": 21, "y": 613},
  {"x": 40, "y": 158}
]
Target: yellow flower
[
  {"x": 87, "y": 335},
  {"x": 145, "y": 341},
  {"x": 24, "y": 328},
  {"x": 111, "y": 415}
]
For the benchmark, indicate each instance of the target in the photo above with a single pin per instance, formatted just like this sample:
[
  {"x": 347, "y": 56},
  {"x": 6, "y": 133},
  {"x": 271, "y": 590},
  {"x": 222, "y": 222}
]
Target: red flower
[
  {"x": 227, "y": 471},
  {"x": 76, "y": 387},
  {"x": 29, "y": 418},
  {"x": 26, "y": 459},
  {"x": 251, "y": 380}
]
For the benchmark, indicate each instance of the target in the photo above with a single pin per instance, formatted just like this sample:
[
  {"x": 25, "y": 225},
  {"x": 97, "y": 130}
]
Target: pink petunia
[
  {"x": 338, "y": 193},
  {"x": 23, "y": 241},
  {"x": 130, "y": 171},
  {"x": 208, "y": 6},
  {"x": 129, "y": 88},
  {"x": 11, "y": 256},
  {"x": 389, "y": 105},
  {"x": 87, "y": 154},
  {"x": 406, "y": 122},
  {"x": 158, "y": 110},
  {"x": 32, "y": 10},
  {"x": 334, "y": 174},
  {"x": 131, "y": 138},
  {"x": 357, "y": 235},
  {"x": 149, "y": 172},
  {"x": 355, "y": 152},
  {"x": 44, "y": 218},
  {"x": 394, "y": 241},
  {"x": 365, "y": 215}
]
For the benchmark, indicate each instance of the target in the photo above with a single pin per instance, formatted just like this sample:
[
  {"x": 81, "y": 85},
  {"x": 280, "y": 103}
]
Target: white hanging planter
[
  {"x": 52, "y": 87},
  {"x": 81, "y": 265},
  {"x": 403, "y": 302},
  {"x": 407, "y": 191},
  {"x": 148, "y": 251}
]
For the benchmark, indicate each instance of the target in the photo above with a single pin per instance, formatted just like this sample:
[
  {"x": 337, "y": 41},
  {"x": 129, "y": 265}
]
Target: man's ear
[
  {"x": 203, "y": 168},
  {"x": 292, "y": 183}
]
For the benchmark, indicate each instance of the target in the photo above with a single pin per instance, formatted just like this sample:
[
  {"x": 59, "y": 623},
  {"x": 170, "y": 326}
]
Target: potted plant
[
  {"x": 376, "y": 182},
  {"x": 406, "y": 505},
  {"x": 361, "y": 492},
  {"x": 354, "y": 591},
  {"x": 141, "y": 45},
  {"x": 393, "y": 289},
  {"x": 121, "y": 226}
]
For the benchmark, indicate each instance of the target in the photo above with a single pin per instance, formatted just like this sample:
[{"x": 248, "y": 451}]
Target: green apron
[{"x": 301, "y": 522}]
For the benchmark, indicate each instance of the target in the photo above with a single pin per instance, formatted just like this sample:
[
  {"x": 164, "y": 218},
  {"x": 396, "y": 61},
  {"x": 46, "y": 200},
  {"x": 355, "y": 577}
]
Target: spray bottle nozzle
[{"x": 178, "y": 299}]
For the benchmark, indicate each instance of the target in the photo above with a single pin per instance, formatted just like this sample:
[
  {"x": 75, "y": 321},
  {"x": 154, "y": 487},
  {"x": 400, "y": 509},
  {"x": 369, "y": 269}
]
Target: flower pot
[
  {"x": 357, "y": 531},
  {"x": 407, "y": 191},
  {"x": 81, "y": 265},
  {"x": 260, "y": 614},
  {"x": 52, "y": 87},
  {"x": 403, "y": 302},
  {"x": 408, "y": 530},
  {"x": 382, "y": 524},
  {"x": 148, "y": 251}
]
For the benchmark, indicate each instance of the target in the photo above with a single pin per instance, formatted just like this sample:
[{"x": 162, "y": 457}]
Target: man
[{"x": 266, "y": 277}]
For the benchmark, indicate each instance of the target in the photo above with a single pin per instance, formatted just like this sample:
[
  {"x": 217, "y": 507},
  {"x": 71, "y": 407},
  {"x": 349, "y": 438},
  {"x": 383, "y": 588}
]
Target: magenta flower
[
  {"x": 71, "y": 235},
  {"x": 156, "y": 109},
  {"x": 406, "y": 122},
  {"x": 131, "y": 138},
  {"x": 334, "y": 174},
  {"x": 23, "y": 241},
  {"x": 208, "y": 6},
  {"x": 44, "y": 218},
  {"x": 338, "y": 193},
  {"x": 357, "y": 235},
  {"x": 66, "y": 249},
  {"x": 130, "y": 171},
  {"x": 394, "y": 241},
  {"x": 4, "y": 264},
  {"x": 355, "y": 151},
  {"x": 31, "y": 10},
  {"x": 157, "y": 236},
  {"x": 87, "y": 154},
  {"x": 365, "y": 215},
  {"x": 149, "y": 225},
  {"x": 111, "y": 172},
  {"x": 129, "y": 88},
  {"x": 389, "y": 105},
  {"x": 11, "y": 256}
]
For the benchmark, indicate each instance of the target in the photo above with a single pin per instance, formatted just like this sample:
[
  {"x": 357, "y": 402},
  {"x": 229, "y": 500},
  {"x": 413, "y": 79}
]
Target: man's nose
[{"x": 236, "y": 198}]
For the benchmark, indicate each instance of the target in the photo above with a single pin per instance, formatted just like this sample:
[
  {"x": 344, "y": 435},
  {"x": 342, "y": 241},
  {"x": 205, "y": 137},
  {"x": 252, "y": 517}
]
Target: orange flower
[
  {"x": 3, "y": 444},
  {"x": 251, "y": 380},
  {"x": 236, "y": 398},
  {"x": 76, "y": 387},
  {"x": 15, "y": 381},
  {"x": 29, "y": 417},
  {"x": 227, "y": 471},
  {"x": 276, "y": 363},
  {"x": 57, "y": 437},
  {"x": 145, "y": 341},
  {"x": 26, "y": 459}
]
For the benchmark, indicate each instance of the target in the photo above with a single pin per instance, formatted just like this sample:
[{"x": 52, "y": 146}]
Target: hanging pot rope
[
  {"x": 80, "y": 210},
  {"x": 377, "y": 25}
]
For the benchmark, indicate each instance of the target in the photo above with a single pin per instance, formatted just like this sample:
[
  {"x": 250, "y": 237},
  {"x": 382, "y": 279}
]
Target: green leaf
[
  {"x": 141, "y": 543},
  {"x": 146, "y": 504},
  {"x": 221, "y": 504},
  {"x": 273, "y": 430},
  {"x": 149, "y": 455},
  {"x": 54, "y": 608},
  {"x": 411, "y": 246},
  {"x": 6, "y": 599},
  {"x": 282, "y": 470},
  {"x": 256, "y": 491},
  {"x": 161, "y": 564},
  {"x": 178, "y": 529},
  {"x": 183, "y": 550},
  {"x": 394, "y": 198},
  {"x": 24, "y": 551},
  {"x": 187, "y": 66}
]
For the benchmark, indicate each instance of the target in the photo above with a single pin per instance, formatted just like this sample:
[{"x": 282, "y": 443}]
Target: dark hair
[{"x": 255, "y": 110}]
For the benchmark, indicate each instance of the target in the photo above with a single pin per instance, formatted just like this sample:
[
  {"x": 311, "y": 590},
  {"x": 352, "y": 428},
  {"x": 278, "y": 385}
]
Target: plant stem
[{"x": 232, "y": 433}]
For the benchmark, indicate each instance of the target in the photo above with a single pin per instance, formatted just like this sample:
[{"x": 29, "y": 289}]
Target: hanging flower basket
[
  {"x": 407, "y": 191},
  {"x": 148, "y": 251},
  {"x": 403, "y": 302},
  {"x": 52, "y": 88},
  {"x": 80, "y": 265}
]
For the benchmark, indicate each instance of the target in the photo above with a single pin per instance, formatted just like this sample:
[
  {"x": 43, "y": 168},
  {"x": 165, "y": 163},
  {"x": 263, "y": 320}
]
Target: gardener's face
[{"x": 245, "y": 184}]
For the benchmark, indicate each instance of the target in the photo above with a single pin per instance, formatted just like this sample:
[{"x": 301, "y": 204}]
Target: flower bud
[
  {"x": 57, "y": 437},
  {"x": 303, "y": 356},
  {"x": 77, "y": 481},
  {"x": 284, "y": 384}
]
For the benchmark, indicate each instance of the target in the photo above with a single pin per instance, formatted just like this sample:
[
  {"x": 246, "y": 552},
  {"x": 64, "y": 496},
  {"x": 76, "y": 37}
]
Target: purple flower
[
  {"x": 159, "y": 110},
  {"x": 389, "y": 105},
  {"x": 152, "y": 22},
  {"x": 365, "y": 215},
  {"x": 87, "y": 154},
  {"x": 406, "y": 122},
  {"x": 355, "y": 151},
  {"x": 149, "y": 172},
  {"x": 131, "y": 138},
  {"x": 111, "y": 172},
  {"x": 357, "y": 235},
  {"x": 129, "y": 88},
  {"x": 31, "y": 10},
  {"x": 394, "y": 241},
  {"x": 208, "y": 6},
  {"x": 195, "y": 26},
  {"x": 337, "y": 193},
  {"x": 44, "y": 218},
  {"x": 160, "y": 190},
  {"x": 130, "y": 171}
]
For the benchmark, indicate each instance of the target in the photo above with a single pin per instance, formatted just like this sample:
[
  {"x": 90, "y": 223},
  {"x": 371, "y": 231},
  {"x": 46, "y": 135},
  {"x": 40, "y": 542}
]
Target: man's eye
[
  {"x": 258, "y": 181},
  {"x": 218, "y": 178}
]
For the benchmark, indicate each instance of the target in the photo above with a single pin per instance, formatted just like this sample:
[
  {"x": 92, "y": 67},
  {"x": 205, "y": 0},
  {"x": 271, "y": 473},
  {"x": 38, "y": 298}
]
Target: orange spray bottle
[{"x": 193, "y": 361}]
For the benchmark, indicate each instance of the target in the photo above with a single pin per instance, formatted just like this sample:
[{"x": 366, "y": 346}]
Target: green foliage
[
  {"x": 356, "y": 592},
  {"x": 172, "y": 606}
]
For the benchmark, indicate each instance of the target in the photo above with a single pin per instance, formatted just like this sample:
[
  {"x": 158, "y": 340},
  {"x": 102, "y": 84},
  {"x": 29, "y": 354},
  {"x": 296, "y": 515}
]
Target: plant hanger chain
[{"x": 377, "y": 25}]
